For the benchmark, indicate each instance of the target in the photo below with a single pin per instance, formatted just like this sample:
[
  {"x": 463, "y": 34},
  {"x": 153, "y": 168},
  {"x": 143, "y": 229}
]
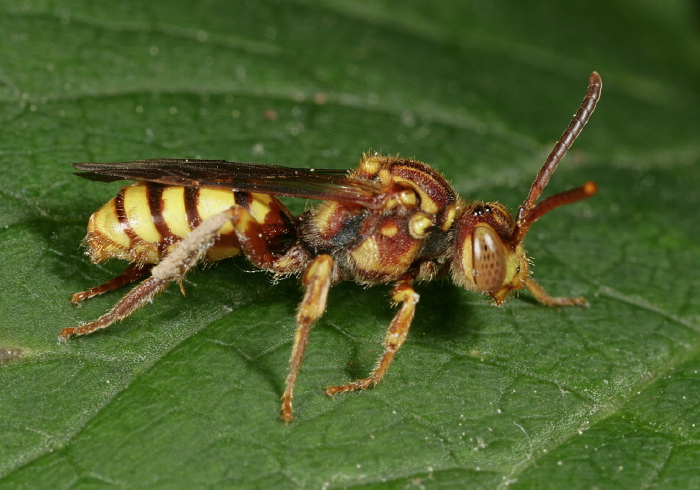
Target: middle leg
[{"x": 317, "y": 279}]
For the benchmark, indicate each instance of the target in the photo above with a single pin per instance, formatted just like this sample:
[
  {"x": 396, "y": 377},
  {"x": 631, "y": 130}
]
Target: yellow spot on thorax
[{"x": 389, "y": 230}]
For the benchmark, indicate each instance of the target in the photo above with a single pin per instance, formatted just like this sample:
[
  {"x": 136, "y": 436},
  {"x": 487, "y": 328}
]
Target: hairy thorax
[{"x": 378, "y": 245}]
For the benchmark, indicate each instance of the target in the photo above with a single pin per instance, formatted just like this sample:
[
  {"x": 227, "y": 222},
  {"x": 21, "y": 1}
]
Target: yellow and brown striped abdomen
[{"x": 145, "y": 221}]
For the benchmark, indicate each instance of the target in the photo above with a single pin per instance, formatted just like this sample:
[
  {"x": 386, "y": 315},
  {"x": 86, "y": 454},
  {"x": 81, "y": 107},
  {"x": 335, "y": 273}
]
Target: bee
[{"x": 389, "y": 221}]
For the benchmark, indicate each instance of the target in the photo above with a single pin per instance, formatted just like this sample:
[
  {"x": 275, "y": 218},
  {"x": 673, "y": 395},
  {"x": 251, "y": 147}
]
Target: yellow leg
[
  {"x": 544, "y": 298},
  {"x": 317, "y": 280},
  {"x": 396, "y": 334}
]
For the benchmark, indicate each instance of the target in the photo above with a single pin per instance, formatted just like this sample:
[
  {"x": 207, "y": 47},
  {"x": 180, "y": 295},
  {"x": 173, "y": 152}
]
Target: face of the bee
[{"x": 484, "y": 259}]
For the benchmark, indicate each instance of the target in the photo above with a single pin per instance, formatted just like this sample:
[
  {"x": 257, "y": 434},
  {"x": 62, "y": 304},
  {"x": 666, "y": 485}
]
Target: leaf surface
[{"x": 186, "y": 392}]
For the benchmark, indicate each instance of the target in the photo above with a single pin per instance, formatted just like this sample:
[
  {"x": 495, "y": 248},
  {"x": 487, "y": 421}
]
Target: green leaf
[{"x": 185, "y": 393}]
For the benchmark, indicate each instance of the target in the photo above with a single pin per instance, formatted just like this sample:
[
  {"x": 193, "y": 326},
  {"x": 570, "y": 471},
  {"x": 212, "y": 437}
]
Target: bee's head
[{"x": 485, "y": 259}]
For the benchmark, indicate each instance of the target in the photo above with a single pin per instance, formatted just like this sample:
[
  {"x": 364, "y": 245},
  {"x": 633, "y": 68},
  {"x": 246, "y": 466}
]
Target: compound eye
[{"x": 488, "y": 259}]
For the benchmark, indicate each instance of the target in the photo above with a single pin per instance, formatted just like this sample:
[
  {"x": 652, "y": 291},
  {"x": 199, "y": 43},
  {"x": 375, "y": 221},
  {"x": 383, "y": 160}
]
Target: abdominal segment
[{"x": 145, "y": 221}]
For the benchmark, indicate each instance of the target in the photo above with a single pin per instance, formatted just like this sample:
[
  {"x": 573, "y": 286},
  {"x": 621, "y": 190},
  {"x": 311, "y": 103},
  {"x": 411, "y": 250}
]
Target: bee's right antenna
[{"x": 528, "y": 212}]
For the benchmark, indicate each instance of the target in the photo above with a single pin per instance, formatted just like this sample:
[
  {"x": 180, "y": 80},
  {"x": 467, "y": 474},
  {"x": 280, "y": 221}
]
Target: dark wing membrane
[{"x": 323, "y": 184}]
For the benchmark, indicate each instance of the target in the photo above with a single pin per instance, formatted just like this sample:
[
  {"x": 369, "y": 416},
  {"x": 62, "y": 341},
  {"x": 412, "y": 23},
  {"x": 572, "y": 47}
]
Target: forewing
[{"x": 323, "y": 184}]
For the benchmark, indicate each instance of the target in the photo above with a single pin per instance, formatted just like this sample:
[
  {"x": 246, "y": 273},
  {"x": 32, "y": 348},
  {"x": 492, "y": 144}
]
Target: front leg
[
  {"x": 396, "y": 334},
  {"x": 543, "y": 297}
]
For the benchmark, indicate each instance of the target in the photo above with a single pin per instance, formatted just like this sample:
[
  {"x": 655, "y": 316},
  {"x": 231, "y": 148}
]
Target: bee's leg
[
  {"x": 317, "y": 281},
  {"x": 398, "y": 329},
  {"x": 172, "y": 268},
  {"x": 132, "y": 273},
  {"x": 547, "y": 300}
]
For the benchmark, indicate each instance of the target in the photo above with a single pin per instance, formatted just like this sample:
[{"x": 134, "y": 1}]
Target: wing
[{"x": 322, "y": 184}]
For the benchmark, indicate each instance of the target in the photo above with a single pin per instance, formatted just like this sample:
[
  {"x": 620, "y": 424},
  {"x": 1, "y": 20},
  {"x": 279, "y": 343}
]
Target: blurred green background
[{"x": 185, "y": 393}]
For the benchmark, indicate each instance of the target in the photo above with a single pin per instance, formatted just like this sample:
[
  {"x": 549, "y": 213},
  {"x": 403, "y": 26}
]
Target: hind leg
[
  {"x": 172, "y": 268},
  {"x": 132, "y": 273}
]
